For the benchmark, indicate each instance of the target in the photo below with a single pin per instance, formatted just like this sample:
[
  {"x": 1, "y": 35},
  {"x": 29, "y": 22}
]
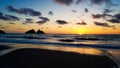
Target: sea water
[
  {"x": 108, "y": 44},
  {"x": 71, "y": 40}
]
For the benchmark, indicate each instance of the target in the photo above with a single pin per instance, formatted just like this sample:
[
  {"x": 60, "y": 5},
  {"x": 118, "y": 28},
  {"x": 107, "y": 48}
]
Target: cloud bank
[
  {"x": 64, "y": 2},
  {"x": 6, "y": 17},
  {"x": 102, "y": 24},
  {"x": 61, "y": 22},
  {"x": 25, "y": 11}
]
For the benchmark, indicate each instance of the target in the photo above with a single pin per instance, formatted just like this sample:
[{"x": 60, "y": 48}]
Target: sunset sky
[{"x": 61, "y": 16}]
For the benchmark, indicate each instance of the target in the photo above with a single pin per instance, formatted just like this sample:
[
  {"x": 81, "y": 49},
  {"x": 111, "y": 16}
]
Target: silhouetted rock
[
  {"x": 32, "y": 31},
  {"x": 40, "y": 32},
  {"x": 2, "y": 32}
]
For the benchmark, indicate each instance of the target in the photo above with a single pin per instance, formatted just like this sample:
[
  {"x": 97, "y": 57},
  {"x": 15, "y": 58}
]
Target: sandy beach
[{"x": 47, "y": 58}]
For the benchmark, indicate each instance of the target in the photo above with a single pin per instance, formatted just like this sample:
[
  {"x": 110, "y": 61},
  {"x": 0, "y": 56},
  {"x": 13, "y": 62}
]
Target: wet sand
[
  {"x": 44, "y": 58},
  {"x": 3, "y": 47}
]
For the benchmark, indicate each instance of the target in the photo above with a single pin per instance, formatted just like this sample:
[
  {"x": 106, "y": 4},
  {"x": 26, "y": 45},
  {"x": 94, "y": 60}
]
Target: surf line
[{"x": 106, "y": 46}]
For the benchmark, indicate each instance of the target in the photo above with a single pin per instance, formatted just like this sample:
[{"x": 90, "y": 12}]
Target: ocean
[
  {"x": 87, "y": 43},
  {"x": 110, "y": 41}
]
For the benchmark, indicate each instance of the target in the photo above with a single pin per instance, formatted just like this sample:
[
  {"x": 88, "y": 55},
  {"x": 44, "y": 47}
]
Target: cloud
[
  {"x": 11, "y": 23},
  {"x": 99, "y": 1},
  {"x": 1, "y": 13},
  {"x": 69, "y": 2},
  {"x": 61, "y": 22},
  {"x": 115, "y": 18},
  {"x": 106, "y": 11},
  {"x": 24, "y": 23},
  {"x": 64, "y": 2},
  {"x": 50, "y": 13},
  {"x": 86, "y": 10},
  {"x": 28, "y": 11},
  {"x": 3, "y": 17},
  {"x": 11, "y": 9},
  {"x": 114, "y": 21},
  {"x": 28, "y": 20},
  {"x": 40, "y": 22},
  {"x": 8, "y": 17},
  {"x": 82, "y": 23},
  {"x": 78, "y": 1},
  {"x": 25, "y": 11},
  {"x": 97, "y": 16},
  {"x": 11, "y": 17},
  {"x": 74, "y": 11},
  {"x": 43, "y": 20},
  {"x": 102, "y": 24}
]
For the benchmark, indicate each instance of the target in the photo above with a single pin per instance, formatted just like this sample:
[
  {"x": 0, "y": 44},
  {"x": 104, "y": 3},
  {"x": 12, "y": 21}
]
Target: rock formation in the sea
[
  {"x": 32, "y": 31},
  {"x": 40, "y": 32},
  {"x": 2, "y": 32}
]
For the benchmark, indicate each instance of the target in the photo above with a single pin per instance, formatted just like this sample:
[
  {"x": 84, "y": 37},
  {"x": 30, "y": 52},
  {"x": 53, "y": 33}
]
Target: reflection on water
[{"x": 83, "y": 50}]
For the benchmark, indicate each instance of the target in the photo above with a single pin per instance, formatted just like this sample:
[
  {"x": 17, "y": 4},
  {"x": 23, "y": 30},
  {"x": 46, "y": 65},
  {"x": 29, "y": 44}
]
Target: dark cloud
[
  {"x": 74, "y": 11},
  {"x": 86, "y": 10},
  {"x": 29, "y": 20},
  {"x": 102, "y": 24},
  {"x": 115, "y": 18},
  {"x": 69, "y": 2},
  {"x": 78, "y": 1},
  {"x": 61, "y": 22},
  {"x": 104, "y": 16},
  {"x": 28, "y": 11},
  {"x": 40, "y": 22},
  {"x": 43, "y": 20},
  {"x": 11, "y": 9},
  {"x": 50, "y": 13},
  {"x": 11, "y": 17},
  {"x": 24, "y": 23},
  {"x": 8, "y": 17},
  {"x": 25, "y": 11},
  {"x": 114, "y": 21},
  {"x": 64, "y": 2},
  {"x": 11, "y": 23},
  {"x": 1, "y": 14},
  {"x": 97, "y": 16},
  {"x": 99, "y": 1},
  {"x": 106, "y": 11},
  {"x": 82, "y": 23}
]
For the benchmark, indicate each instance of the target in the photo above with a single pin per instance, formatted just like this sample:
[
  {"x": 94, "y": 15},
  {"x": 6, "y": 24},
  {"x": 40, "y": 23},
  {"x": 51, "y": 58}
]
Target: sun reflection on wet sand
[{"x": 81, "y": 50}]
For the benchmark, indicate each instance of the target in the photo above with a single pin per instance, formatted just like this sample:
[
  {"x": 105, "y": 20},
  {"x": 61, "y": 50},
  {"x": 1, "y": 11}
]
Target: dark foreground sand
[
  {"x": 3, "y": 47},
  {"x": 42, "y": 58}
]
